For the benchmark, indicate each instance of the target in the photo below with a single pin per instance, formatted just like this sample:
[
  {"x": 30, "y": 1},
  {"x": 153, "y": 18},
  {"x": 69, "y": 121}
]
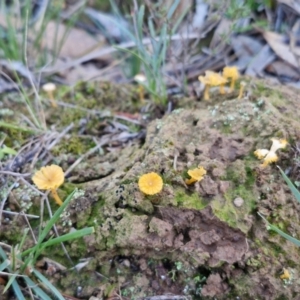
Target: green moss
[
  {"x": 111, "y": 241},
  {"x": 225, "y": 211},
  {"x": 68, "y": 188},
  {"x": 126, "y": 181},
  {"x": 234, "y": 216},
  {"x": 73, "y": 145},
  {"x": 189, "y": 201},
  {"x": 226, "y": 129},
  {"x": 96, "y": 216}
]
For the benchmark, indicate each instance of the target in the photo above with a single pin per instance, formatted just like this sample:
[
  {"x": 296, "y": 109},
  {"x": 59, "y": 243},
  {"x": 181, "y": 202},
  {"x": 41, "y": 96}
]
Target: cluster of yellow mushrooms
[
  {"x": 52, "y": 177},
  {"x": 152, "y": 183},
  {"x": 212, "y": 79}
]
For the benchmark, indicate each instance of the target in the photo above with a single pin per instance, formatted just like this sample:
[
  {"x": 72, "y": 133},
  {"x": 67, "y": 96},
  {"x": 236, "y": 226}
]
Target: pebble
[{"x": 238, "y": 202}]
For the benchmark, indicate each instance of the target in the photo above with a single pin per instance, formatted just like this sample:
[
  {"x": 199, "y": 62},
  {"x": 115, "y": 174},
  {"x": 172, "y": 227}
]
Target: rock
[{"x": 238, "y": 202}]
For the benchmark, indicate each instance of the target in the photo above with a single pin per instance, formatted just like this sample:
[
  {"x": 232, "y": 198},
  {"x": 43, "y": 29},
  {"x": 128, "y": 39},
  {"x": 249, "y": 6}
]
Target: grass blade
[
  {"x": 48, "y": 284},
  {"x": 294, "y": 190},
  {"x": 283, "y": 234},
  {"x": 49, "y": 225},
  {"x": 172, "y": 9},
  {"x": 18, "y": 293},
  {"x": 37, "y": 290},
  {"x": 69, "y": 236}
]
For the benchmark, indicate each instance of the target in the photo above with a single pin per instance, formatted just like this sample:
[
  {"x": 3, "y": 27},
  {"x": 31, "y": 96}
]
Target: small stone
[{"x": 238, "y": 202}]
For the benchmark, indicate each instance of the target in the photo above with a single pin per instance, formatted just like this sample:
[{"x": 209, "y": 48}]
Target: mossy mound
[{"x": 202, "y": 240}]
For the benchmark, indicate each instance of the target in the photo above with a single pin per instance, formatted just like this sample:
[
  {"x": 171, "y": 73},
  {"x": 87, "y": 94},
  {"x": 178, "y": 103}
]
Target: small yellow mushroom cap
[
  {"x": 212, "y": 78},
  {"x": 49, "y": 177},
  {"x": 286, "y": 274},
  {"x": 270, "y": 158},
  {"x": 231, "y": 72},
  {"x": 197, "y": 173},
  {"x": 150, "y": 183},
  {"x": 278, "y": 144},
  {"x": 204, "y": 80},
  {"x": 215, "y": 78},
  {"x": 261, "y": 153},
  {"x": 49, "y": 87}
]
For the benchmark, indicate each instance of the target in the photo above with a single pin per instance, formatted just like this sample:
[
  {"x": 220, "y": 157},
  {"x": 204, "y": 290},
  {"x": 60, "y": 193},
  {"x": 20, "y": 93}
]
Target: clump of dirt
[{"x": 202, "y": 240}]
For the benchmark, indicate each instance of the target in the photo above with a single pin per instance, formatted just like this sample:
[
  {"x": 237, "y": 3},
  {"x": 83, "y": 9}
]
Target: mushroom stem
[
  {"x": 56, "y": 197},
  {"x": 51, "y": 98},
  {"x": 232, "y": 85},
  {"x": 242, "y": 87},
  {"x": 141, "y": 93},
  {"x": 222, "y": 91},
  {"x": 206, "y": 92}
]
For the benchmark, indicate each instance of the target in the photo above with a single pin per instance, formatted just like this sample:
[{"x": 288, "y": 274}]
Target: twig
[{"x": 20, "y": 213}]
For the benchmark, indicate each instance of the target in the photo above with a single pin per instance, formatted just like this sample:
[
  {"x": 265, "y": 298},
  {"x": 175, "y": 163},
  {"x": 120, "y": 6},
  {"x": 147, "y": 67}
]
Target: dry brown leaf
[
  {"x": 77, "y": 42},
  {"x": 245, "y": 48},
  {"x": 276, "y": 42},
  {"x": 83, "y": 73},
  {"x": 260, "y": 61},
  {"x": 294, "y": 41},
  {"x": 283, "y": 70},
  {"x": 221, "y": 34},
  {"x": 294, "y": 4}
]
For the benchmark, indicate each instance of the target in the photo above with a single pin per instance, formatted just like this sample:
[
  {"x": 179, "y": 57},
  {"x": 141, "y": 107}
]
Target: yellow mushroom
[
  {"x": 212, "y": 79},
  {"x": 270, "y": 156},
  {"x": 286, "y": 274},
  {"x": 50, "y": 178},
  {"x": 231, "y": 73},
  {"x": 49, "y": 88},
  {"x": 141, "y": 80},
  {"x": 196, "y": 175},
  {"x": 206, "y": 82},
  {"x": 216, "y": 80},
  {"x": 150, "y": 183}
]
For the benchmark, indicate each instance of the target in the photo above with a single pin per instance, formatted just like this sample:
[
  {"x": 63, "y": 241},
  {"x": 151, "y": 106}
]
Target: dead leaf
[
  {"x": 277, "y": 43},
  {"x": 264, "y": 57},
  {"x": 221, "y": 34},
  {"x": 245, "y": 49},
  {"x": 294, "y": 41},
  {"x": 283, "y": 70},
  {"x": 112, "y": 27},
  {"x": 76, "y": 43},
  {"x": 294, "y": 4}
]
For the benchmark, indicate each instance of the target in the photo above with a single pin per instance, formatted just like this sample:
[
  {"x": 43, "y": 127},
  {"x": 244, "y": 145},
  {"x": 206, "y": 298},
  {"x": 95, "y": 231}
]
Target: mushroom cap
[
  {"x": 270, "y": 158},
  {"x": 150, "y": 183},
  {"x": 204, "y": 80},
  {"x": 286, "y": 274},
  {"x": 49, "y": 87},
  {"x": 215, "y": 78},
  {"x": 261, "y": 153},
  {"x": 278, "y": 144},
  {"x": 231, "y": 72},
  {"x": 197, "y": 173},
  {"x": 140, "y": 78},
  {"x": 49, "y": 177}
]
